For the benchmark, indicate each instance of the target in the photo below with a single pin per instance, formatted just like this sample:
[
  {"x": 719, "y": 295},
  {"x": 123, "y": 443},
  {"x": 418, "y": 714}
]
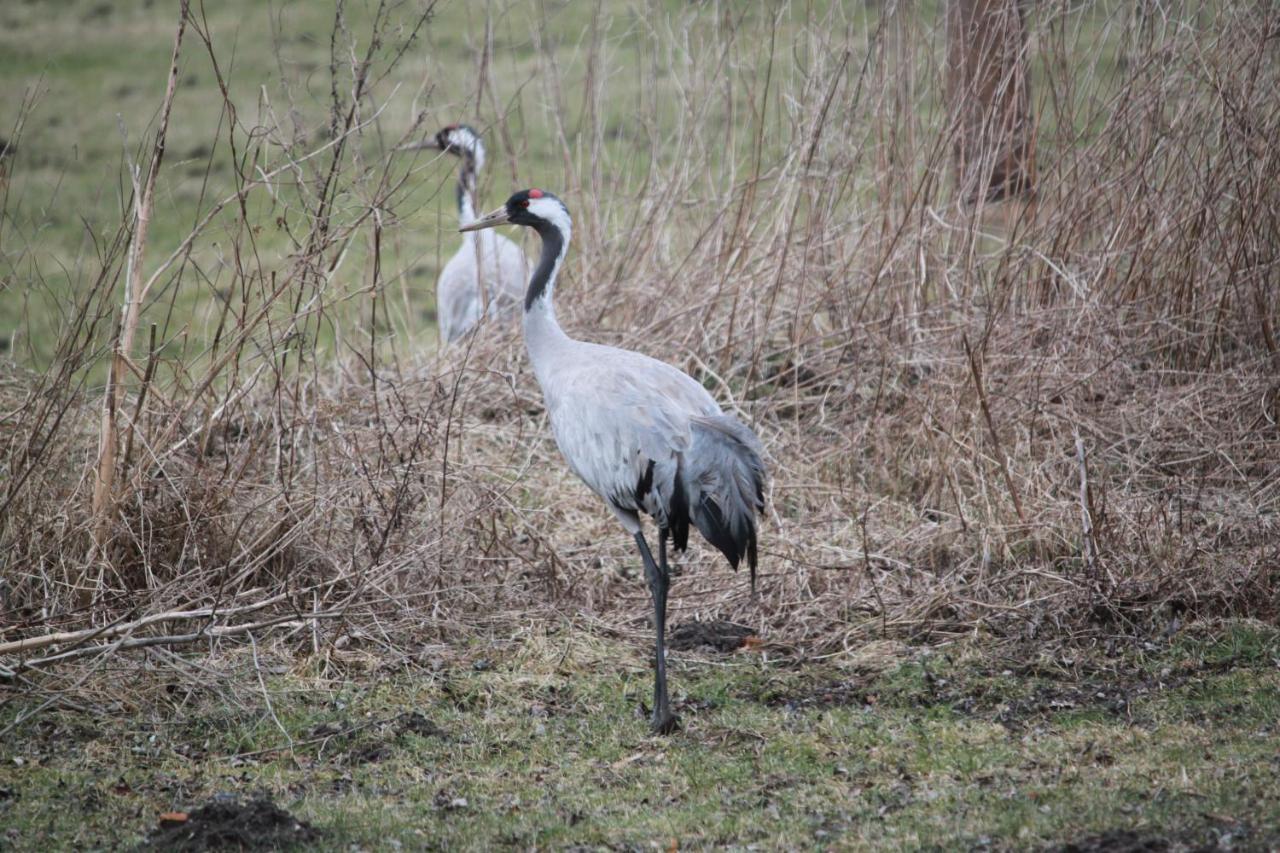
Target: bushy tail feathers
[{"x": 724, "y": 479}]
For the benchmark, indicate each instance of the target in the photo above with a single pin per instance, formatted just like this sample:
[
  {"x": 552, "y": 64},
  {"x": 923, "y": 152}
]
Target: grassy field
[
  {"x": 69, "y": 188},
  {"x": 81, "y": 84},
  {"x": 600, "y": 102},
  {"x": 537, "y": 741}
]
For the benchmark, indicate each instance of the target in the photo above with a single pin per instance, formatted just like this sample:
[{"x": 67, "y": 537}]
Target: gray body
[
  {"x": 488, "y": 267},
  {"x": 615, "y": 412}
]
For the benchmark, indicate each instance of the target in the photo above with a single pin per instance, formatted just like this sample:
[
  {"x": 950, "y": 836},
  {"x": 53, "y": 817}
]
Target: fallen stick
[
  {"x": 108, "y": 631},
  {"x": 292, "y": 620}
]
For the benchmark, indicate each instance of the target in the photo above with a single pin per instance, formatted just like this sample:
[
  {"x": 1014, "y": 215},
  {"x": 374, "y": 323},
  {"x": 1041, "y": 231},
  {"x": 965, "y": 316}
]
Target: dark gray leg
[{"x": 664, "y": 722}]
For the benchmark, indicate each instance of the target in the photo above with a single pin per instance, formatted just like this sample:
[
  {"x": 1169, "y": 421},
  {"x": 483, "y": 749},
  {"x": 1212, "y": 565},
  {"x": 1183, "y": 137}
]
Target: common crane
[
  {"x": 488, "y": 261},
  {"x": 641, "y": 434}
]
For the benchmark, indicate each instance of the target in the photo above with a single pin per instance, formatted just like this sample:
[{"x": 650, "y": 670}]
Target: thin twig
[{"x": 991, "y": 429}]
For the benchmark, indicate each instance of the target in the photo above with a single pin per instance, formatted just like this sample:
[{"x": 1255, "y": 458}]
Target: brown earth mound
[{"x": 228, "y": 824}]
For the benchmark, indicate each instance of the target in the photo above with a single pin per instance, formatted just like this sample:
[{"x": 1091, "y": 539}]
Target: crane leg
[{"x": 664, "y": 721}]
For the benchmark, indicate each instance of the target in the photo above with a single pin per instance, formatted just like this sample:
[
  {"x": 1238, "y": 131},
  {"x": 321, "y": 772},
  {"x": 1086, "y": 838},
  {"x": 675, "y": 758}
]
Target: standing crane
[
  {"x": 643, "y": 435},
  {"x": 488, "y": 268}
]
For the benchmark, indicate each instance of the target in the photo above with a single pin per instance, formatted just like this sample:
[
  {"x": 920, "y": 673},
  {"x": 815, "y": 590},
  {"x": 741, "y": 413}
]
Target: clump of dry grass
[{"x": 1051, "y": 416}]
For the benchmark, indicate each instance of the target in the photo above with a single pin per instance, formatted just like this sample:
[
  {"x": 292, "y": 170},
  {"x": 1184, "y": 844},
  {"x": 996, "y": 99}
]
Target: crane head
[
  {"x": 535, "y": 208},
  {"x": 458, "y": 139}
]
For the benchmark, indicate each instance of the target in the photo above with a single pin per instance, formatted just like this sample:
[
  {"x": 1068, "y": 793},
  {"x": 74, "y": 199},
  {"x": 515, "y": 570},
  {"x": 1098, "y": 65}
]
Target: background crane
[{"x": 488, "y": 269}]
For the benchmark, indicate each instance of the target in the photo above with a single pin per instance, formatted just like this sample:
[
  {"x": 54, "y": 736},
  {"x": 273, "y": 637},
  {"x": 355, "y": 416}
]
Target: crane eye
[{"x": 524, "y": 203}]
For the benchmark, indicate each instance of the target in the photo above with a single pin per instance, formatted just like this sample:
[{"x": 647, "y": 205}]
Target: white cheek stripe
[{"x": 553, "y": 211}]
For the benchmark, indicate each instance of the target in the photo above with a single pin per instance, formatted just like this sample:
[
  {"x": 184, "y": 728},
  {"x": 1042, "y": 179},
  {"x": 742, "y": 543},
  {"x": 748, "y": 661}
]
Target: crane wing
[
  {"x": 647, "y": 438},
  {"x": 458, "y": 300}
]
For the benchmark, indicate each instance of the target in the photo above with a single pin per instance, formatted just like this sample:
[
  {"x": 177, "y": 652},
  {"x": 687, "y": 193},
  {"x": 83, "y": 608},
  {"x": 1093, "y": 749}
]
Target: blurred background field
[
  {"x": 85, "y": 85},
  {"x": 585, "y": 98}
]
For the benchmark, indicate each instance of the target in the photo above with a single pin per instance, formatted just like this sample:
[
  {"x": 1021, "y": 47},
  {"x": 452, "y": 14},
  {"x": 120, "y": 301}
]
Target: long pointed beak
[
  {"x": 428, "y": 144},
  {"x": 491, "y": 219}
]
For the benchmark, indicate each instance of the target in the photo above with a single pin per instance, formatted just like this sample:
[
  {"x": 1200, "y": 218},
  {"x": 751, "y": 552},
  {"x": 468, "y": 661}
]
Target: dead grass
[{"x": 782, "y": 227}]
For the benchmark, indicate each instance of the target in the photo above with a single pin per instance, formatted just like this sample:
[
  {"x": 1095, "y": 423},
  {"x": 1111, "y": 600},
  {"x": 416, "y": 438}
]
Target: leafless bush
[{"x": 1049, "y": 416}]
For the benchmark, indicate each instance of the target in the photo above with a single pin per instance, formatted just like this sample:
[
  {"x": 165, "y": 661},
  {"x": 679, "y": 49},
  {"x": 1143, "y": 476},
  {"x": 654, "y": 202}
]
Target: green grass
[
  {"x": 540, "y": 744},
  {"x": 95, "y": 73}
]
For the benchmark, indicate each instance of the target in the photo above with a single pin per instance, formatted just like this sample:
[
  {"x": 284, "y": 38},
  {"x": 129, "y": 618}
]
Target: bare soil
[
  {"x": 226, "y": 823},
  {"x": 719, "y": 635},
  {"x": 1015, "y": 696},
  {"x": 1217, "y": 836}
]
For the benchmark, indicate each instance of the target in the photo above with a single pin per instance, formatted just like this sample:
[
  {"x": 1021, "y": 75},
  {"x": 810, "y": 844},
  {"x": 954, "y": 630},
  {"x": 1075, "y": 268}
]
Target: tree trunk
[{"x": 989, "y": 100}]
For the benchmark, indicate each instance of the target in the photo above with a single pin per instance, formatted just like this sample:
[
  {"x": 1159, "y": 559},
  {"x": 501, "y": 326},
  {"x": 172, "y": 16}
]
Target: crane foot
[{"x": 664, "y": 723}]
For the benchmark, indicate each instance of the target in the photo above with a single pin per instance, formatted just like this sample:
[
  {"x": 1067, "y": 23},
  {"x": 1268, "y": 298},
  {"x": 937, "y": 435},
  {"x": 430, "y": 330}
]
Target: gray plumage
[
  {"x": 616, "y": 413},
  {"x": 459, "y": 302},
  {"x": 641, "y": 434}
]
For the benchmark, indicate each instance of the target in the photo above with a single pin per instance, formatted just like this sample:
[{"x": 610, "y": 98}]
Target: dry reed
[{"x": 1048, "y": 417}]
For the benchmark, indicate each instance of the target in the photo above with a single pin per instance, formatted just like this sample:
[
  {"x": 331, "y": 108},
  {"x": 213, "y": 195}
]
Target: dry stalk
[
  {"x": 144, "y": 202},
  {"x": 1003, "y": 459},
  {"x": 1086, "y": 511}
]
